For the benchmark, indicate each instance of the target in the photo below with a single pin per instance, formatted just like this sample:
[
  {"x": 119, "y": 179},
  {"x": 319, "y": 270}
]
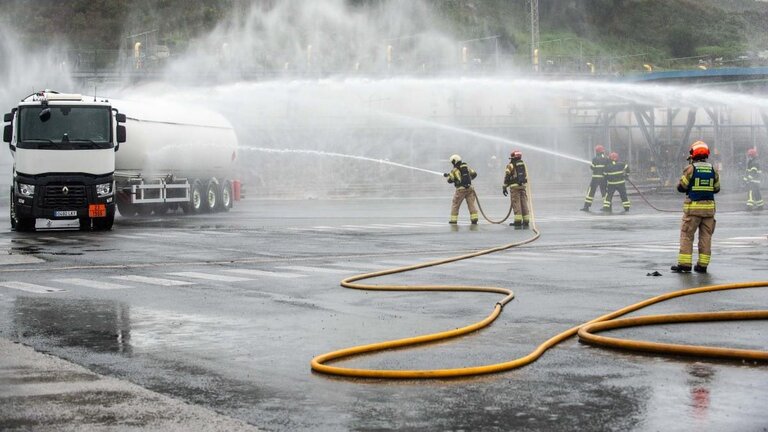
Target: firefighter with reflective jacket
[
  {"x": 616, "y": 174},
  {"x": 700, "y": 182},
  {"x": 461, "y": 176},
  {"x": 516, "y": 180},
  {"x": 599, "y": 163},
  {"x": 752, "y": 180}
]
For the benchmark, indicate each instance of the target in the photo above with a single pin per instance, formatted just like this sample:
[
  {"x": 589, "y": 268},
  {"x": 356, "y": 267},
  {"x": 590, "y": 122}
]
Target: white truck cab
[{"x": 63, "y": 148}]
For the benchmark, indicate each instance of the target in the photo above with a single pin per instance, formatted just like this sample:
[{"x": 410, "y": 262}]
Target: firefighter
[
  {"x": 752, "y": 181},
  {"x": 598, "y": 179},
  {"x": 700, "y": 182},
  {"x": 516, "y": 179},
  {"x": 461, "y": 176},
  {"x": 616, "y": 174}
]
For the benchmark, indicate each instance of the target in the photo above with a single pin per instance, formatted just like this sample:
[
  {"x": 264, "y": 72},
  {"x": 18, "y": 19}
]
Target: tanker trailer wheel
[
  {"x": 211, "y": 195},
  {"x": 195, "y": 203},
  {"x": 225, "y": 203}
]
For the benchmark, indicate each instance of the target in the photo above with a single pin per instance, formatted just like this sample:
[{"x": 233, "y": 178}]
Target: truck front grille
[{"x": 56, "y": 198}]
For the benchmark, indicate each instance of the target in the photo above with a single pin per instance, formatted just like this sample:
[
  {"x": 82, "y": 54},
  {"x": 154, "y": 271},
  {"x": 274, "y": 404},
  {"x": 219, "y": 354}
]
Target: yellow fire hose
[{"x": 320, "y": 363}]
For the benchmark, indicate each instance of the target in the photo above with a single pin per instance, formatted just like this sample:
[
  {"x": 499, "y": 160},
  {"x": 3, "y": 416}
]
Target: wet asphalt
[{"x": 224, "y": 312}]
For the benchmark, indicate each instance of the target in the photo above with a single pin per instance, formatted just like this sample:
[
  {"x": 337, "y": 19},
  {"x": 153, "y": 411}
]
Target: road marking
[
  {"x": 253, "y": 272},
  {"x": 130, "y": 237},
  {"x": 314, "y": 269},
  {"x": 209, "y": 276},
  {"x": 97, "y": 284},
  {"x": 13, "y": 259},
  {"x": 24, "y": 286},
  {"x": 152, "y": 281},
  {"x": 359, "y": 266}
]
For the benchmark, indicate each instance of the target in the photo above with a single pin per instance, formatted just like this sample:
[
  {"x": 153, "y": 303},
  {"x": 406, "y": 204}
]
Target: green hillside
[{"x": 621, "y": 34}]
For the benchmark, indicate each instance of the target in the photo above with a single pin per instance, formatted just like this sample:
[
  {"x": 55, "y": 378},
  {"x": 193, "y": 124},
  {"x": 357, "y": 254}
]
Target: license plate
[
  {"x": 97, "y": 210},
  {"x": 65, "y": 213}
]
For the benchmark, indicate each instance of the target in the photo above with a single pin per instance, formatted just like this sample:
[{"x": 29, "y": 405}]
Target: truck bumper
[{"x": 65, "y": 197}]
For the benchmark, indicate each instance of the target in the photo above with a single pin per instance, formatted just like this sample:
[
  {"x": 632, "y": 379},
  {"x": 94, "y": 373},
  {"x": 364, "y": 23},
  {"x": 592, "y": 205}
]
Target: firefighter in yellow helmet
[
  {"x": 516, "y": 179},
  {"x": 700, "y": 182},
  {"x": 461, "y": 176},
  {"x": 616, "y": 173}
]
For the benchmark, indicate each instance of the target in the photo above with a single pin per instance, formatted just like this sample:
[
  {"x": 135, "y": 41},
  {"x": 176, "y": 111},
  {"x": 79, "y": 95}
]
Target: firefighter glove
[
  {"x": 504, "y": 190},
  {"x": 445, "y": 174}
]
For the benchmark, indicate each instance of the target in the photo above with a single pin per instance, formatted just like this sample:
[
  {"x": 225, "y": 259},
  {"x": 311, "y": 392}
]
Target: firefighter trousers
[
  {"x": 705, "y": 224},
  {"x": 754, "y": 197},
  {"x": 519, "y": 198},
  {"x": 459, "y": 196},
  {"x": 596, "y": 183},
  {"x": 621, "y": 188}
]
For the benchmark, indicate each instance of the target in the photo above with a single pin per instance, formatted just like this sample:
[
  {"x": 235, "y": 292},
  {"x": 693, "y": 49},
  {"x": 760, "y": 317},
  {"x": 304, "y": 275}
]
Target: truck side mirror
[
  {"x": 8, "y": 117},
  {"x": 120, "y": 118},
  {"x": 7, "y": 133},
  {"x": 120, "y": 134}
]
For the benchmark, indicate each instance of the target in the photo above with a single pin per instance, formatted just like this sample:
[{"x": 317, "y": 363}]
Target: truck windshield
[{"x": 70, "y": 127}]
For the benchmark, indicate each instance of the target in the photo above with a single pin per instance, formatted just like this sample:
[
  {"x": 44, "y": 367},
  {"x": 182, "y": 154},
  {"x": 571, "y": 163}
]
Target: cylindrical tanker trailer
[{"x": 174, "y": 157}]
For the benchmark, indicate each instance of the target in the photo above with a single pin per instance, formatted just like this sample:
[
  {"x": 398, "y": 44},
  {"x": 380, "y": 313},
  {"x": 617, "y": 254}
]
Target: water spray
[{"x": 341, "y": 155}]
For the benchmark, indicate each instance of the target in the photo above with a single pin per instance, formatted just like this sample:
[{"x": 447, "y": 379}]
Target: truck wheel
[
  {"x": 195, "y": 203},
  {"x": 212, "y": 196},
  {"x": 20, "y": 224},
  {"x": 225, "y": 203},
  {"x": 85, "y": 224},
  {"x": 105, "y": 223},
  {"x": 126, "y": 208}
]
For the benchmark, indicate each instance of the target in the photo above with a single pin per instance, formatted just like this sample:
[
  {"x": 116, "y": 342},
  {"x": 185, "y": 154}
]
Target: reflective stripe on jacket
[
  {"x": 616, "y": 172},
  {"x": 516, "y": 174},
  {"x": 455, "y": 176},
  {"x": 598, "y": 165},
  {"x": 753, "y": 174},
  {"x": 700, "y": 182}
]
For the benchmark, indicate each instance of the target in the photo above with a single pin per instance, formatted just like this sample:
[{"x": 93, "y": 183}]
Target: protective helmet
[
  {"x": 752, "y": 152},
  {"x": 516, "y": 154},
  {"x": 614, "y": 156},
  {"x": 455, "y": 159},
  {"x": 599, "y": 149},
  {"x": 699, "y": 150}
]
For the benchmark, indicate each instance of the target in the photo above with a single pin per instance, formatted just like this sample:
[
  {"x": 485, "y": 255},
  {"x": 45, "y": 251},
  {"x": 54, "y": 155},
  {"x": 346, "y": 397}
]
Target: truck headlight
[
  {"x": 27, "y": 191},
  {"x": 104, "y": 190}
]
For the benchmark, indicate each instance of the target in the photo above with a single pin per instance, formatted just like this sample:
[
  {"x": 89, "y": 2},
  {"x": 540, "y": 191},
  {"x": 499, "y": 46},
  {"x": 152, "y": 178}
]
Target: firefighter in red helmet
[
  {"x": 599, "y": 163},
  {"x": 616, "y": 173},
  {"x": 516, "y": 180},
  {"x": 700, "y": 182},
  {"x": 752, "y": 180}
]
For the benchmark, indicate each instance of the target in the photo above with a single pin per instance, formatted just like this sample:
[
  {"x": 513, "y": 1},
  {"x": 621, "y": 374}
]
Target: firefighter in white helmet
[{"x": 461, "y": 176}]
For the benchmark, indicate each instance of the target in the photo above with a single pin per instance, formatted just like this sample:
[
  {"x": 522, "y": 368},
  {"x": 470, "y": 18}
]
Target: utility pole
[{"x": 534, "y": 8}]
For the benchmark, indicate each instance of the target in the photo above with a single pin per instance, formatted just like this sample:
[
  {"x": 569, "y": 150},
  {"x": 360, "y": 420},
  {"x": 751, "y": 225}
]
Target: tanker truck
[
  {"x": 72, "y": 160},
  {"x": 63, "y": 148},
  {"x": 175, "y": 157}
]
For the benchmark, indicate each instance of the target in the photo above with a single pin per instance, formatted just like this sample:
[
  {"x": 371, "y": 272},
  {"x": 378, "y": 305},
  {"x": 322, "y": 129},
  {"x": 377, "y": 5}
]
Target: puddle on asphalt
[{"x": 97, "y": 325}]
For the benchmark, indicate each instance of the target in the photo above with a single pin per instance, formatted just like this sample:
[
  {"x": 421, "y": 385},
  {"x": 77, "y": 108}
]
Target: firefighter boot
[
  {"x": 680, "y": 268},
  {"x": 699, "y": 269},
  {"x": 585, "y": 208}
]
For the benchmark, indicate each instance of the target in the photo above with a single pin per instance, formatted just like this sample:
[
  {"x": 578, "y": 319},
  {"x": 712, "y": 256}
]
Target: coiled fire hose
[{"x": 585, "y": 331}]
